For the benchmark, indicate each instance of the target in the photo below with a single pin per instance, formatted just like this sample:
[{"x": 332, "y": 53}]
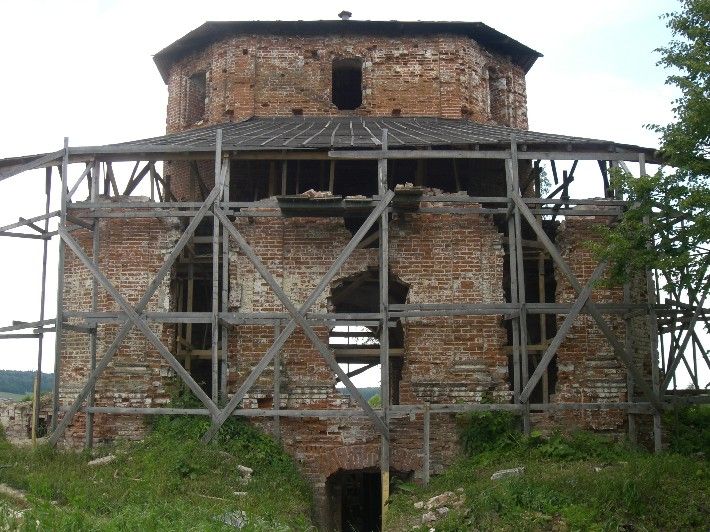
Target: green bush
[
  {"x": 483, "y": 431},
  {"x": 688, "y": 429}
]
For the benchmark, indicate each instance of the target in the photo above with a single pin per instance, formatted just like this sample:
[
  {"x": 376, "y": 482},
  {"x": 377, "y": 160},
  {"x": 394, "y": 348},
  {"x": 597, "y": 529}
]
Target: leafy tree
[{"x": 671, "y": 209}]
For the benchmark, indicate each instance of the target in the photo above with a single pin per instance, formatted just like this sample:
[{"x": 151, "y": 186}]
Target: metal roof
[
  {"x": 338, "y": 132},
  {"x": 210, "y": 32},
  {"x": 298, "y": 133}
]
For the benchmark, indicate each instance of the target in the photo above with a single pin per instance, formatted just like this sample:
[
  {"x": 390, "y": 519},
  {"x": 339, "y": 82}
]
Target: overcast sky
[{"x": 84, "y": 69}]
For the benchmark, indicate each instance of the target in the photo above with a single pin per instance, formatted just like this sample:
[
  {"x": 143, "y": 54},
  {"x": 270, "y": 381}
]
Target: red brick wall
[
  {"x": 132, "y": 250},
  {"x": 588, "y": 370},
  {"x": 444, "y": 76},
  {"x": 444, "y": 259}
]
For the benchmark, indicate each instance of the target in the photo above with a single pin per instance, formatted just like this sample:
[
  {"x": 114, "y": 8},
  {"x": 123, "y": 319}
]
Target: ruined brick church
[{"x": 339, "y": 197}]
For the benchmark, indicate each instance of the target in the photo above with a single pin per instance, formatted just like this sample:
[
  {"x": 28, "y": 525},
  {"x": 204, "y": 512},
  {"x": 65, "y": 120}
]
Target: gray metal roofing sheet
[
  {"x": 338, "y": 132},
  {"x": 342, "y": 132}
]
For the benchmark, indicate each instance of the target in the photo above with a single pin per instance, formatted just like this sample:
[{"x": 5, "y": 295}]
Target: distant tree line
[{"x": 22, "y": 382}]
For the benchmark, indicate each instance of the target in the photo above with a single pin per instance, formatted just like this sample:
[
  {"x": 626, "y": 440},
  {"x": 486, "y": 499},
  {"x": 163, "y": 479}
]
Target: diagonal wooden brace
[
  {"x": 679, "y": 352},
  {"x": 619, "y": 349},
  {"x": 300, "y": 319},
  {"x": 291, "y": 326},
  {"x": 139, "y": 322},
  {"x": 561, "y": 333},
  {"x": 128, "y": 325}
]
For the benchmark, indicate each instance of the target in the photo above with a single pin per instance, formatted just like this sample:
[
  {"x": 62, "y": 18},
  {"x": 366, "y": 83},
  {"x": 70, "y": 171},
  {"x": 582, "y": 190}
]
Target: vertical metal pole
[
  {"x": 89, "y": 442},
  {"x": 426, "y": 458},
  {"x": 277, "y": 387},
  {"x": 60, "y": 288},
  {"x": 215, "y": 272},
  {"x": 40, "y": 340},
  {"x": 225, "y": 294},
  {"x": 653, "y": 335},
  {"x": 384, "y": 326}
]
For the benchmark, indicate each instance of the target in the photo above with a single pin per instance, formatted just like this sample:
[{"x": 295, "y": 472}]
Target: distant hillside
[
  {"x": 367, "y": 393},
  {"x": 22, "y": 382}
]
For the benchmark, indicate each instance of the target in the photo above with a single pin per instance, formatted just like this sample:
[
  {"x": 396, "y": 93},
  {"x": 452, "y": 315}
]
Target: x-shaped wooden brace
[
  {"x": 129, "y": 323},
  {"x": 619, "y": 349},
  {"x": 298, "y": 318},
  {"x": 681, "y": 349}
]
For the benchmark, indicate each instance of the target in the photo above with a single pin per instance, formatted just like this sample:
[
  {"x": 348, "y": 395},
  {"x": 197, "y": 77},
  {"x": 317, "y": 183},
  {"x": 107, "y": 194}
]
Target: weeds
[
  {"x": 580, "y": 481},
  {"x": 169, "y": 481}
]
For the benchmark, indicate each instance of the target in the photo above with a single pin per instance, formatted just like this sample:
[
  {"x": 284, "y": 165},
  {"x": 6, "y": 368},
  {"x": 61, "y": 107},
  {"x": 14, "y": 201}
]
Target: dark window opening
[
  {"x": 356, "y": 347},
  {"x": 193, "y": 284},
  {"x": 347, "y": 83},
  {"x": 251, "y": 180},
  {"x": 498, "y": 97},
  {"x": 353, "y": 178},
  {"x": 196, "y": 97}
]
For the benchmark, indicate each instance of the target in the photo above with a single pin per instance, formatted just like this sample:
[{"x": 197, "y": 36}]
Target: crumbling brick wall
[
  {"x": 16, "y": 417},
  {"x": 443, "y": 259},
  {"x": 445, "y": 76},
  {"x": 132, "y": 250},
  {"x": 588, "y": 370}
]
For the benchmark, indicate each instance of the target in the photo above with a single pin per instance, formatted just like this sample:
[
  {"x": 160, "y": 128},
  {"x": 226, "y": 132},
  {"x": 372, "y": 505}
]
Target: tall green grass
[
  {"x": 169, "y": 481},
  {"x": 580, "y": 481}
]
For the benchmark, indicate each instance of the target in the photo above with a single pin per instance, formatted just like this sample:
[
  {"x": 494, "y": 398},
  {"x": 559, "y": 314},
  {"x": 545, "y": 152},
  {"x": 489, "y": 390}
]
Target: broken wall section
[
  {"x": 588, "y": 369},
  {"x": 443, "y": 259}
]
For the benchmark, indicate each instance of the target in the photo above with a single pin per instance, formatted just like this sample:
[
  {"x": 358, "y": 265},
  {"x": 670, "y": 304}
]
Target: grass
[
  {"x": 169, "y": 481},
  {"x": 576, "y": 482}
]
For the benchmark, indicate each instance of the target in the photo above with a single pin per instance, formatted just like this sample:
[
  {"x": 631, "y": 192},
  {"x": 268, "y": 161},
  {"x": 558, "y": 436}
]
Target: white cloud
[{"x": 84, "y": 69}]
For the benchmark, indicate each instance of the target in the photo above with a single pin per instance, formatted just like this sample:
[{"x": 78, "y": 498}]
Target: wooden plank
[
  {"x": 619, "y": 350},
  {"x": 225, "y": 293},
  {"x": 80, "y": 180},
  {"x": 95, "y": 251},
  {"x": 42, "y": 299},
  {"x": 300, "y": 320},
  {"x": 60, "y": 287},
  {"x": 520, "y": 264},
  {"x": 138, "y": 322},
  {"x": 482, "y": 154},
  {"x": 58, "y": 429},
  {"x": 562, "y": 332},
  {"x": 43, "y": 160},
  {"x": 426, "y": 468},
  {"x": 215, "y": 269}
]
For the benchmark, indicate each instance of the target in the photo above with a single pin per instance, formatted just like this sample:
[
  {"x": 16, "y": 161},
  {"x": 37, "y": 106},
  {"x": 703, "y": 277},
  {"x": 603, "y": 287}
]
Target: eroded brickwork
[
  {"x": 443, "y": 259},
  {"x": 446, "y": 76},
  {"x": 132, "y": 251},
  {"x": 588, "y": 370}
]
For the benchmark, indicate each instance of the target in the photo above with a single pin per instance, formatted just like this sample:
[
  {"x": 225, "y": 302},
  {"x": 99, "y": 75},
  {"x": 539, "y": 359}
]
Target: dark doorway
[{"x": 355, "y": 500}]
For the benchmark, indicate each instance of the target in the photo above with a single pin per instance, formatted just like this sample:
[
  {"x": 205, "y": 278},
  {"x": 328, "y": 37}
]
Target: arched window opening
[
  {"x": 196, "y": 97},
  {"x": 356, "y": 343},
  {"x": 347, "y": 83},
  {"x": 498, "y": 97}
]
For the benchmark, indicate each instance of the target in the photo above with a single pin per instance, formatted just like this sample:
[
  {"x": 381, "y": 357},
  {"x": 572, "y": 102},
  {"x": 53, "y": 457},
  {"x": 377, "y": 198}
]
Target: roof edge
[{"x": 211, "y": 31}]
